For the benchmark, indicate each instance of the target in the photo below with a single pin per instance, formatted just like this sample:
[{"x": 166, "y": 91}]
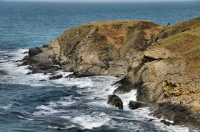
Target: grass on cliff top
[
  {"x": 184, "y": 26},
  {"x": 116, "y": 32},
  {"x": 185, "y": 42}
]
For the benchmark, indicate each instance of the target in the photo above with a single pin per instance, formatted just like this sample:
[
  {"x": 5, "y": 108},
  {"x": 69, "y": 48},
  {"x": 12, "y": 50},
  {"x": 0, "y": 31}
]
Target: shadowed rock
[
  {"x": 135, "y": 105},
  {"x": 123, "y": 86},
  {"x": 56, "y": 77},
  {"x": 34, "y": 51},
  {"x": 114, "y": 100}
]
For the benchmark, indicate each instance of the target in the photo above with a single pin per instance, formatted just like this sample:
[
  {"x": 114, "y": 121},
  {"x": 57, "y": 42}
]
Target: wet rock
[
  {"x": 124, "y": 86},
  {"x": 35, "y": 68},
  {"x": 136, "y": 104},
  {"x": 114, "y": 100},
  {"x": 56, "y": 77},
  {"x": 44, "y": 46},
  {"x": 34, "y": 51},
  {"x": 42, "y": 80}
]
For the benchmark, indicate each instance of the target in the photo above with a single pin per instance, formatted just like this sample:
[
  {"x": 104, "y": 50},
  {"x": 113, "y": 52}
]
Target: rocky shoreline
[{"x": 155, "y": 59}]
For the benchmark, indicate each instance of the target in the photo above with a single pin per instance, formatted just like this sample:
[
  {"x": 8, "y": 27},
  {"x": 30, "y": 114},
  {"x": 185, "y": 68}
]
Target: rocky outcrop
[
  {"x": 101, "y": 48},
  {"x": 114, "y": 100},
  {"x": 55, "y": 77}
]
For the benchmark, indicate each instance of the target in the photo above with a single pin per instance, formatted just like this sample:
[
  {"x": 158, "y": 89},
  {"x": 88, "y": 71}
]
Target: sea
[{"x": 76, "y": 104}]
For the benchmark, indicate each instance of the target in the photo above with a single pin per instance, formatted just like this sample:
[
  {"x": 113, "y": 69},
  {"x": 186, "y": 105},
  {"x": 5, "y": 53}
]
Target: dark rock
[
  {"x": 28, "y": 73},
  {"x": 71, "y": 75},
  {"x": 25, "y": 61},
  {"x": 44, "y": 46},
  {"x": 79, "y": 75},
  {"x": 42, "y": 80},
  {"x": 124, "y": 86},
  {"x": 36, "y": 68},
  {"x": 25, "y": 52},
  {"x": 34, "y": 51},
  {"x": 18, "y": 61},
  {"x": 135, "y": 105},
  {"x": 56, "y": 77},
  {"x": 150, "y": 120},
  {"x": 115, "y": 101}
]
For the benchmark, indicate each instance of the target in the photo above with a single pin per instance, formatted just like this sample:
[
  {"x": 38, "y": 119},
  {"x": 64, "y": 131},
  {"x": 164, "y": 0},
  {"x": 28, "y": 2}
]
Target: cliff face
[
  {"x": 101, "y": 48},
  {"x": 167, "y": 73},
  {"x": 163, "y": 63},
  {"x": 104, "y": 48}
]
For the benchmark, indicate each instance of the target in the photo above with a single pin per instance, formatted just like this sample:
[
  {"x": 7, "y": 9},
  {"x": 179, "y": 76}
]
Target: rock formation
[
  {"x": 162, "y": 62},
  {"x": 135, "y": 105},
  {"x": 114, "y": 100}
]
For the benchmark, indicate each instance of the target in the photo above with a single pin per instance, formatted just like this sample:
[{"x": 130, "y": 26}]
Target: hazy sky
[{"x": 100, "y": 0}]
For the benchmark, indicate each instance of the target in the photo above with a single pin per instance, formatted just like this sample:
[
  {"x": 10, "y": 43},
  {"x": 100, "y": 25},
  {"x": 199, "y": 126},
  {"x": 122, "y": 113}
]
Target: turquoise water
[{"x": 78, "y": 104}]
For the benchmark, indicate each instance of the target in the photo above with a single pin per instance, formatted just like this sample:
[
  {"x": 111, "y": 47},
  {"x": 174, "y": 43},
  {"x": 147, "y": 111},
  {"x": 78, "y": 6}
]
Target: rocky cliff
[
  {"x": 162, "y": 62},
  {"x": 168, "y": 73}
]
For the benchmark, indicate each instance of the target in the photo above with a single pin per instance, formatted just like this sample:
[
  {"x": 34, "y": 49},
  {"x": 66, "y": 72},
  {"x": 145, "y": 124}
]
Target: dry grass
[
  {"x": 107, "y": 35},
  {"x": 184, "y": 42}
]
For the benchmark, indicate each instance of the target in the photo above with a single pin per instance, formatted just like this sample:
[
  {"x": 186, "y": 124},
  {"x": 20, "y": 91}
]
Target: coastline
[{"x": 140, "y": 52}]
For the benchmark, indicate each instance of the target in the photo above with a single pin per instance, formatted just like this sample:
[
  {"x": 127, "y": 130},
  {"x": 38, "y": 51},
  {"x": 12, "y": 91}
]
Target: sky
[{"x": 101, "y": 0}]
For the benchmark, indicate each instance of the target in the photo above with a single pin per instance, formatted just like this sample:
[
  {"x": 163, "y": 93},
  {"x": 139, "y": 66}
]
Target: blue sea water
[{"x": 79, "y": 104}]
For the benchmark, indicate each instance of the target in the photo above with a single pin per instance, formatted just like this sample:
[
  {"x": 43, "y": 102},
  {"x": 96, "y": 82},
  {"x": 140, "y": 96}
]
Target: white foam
[
  {"x": 62, "y": 128},
  {"x": 46, "y": 110},
  {"x": 17, "y": 75},
  {"x": 6, "y": 106},
  {"x": 79, "y": 82},
  {"x": 87, "y": 121},
  {"x": 96, "y": 88},
  {"x": 126, "y": 98},
  {"x": 21, "y": 117}
]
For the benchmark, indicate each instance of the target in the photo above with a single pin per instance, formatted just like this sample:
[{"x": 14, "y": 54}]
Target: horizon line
[{"x": 97, "y": 1}]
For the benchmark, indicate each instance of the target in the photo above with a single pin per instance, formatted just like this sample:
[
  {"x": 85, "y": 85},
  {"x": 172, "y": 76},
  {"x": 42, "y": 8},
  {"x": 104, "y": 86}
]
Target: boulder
[
  {"x": 42, "y": 80},
  {"x": 136, "y": 104},
  {"x": 56, "y": 77},
  {"x": 114, "y": 100}
]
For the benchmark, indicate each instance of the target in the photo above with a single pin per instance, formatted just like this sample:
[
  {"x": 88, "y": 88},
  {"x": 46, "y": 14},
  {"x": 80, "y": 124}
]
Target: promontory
[{"x": 161, "y": 62}]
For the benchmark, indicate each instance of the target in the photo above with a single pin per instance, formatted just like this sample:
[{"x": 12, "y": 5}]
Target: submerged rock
[
  {"x": 114, "y": 100},
  {"x": 56, "y": 77},
  {"x": 42, "y": 80}
]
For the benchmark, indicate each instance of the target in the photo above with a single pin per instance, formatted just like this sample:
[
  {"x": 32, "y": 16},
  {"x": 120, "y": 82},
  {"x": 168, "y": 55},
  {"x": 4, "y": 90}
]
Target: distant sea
[{"x": 79, "y": 104}]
